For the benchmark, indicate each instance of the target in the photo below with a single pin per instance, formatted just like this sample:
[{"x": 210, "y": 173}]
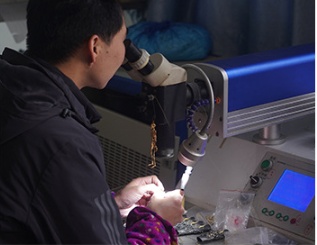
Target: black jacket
[{"x": 52, "y": 176}]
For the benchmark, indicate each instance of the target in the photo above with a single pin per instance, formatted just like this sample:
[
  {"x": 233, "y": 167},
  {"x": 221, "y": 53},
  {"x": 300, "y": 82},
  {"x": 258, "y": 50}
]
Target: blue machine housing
[
  {"x": 269, "y": 76},
  {"x": 261, "y": 89}
]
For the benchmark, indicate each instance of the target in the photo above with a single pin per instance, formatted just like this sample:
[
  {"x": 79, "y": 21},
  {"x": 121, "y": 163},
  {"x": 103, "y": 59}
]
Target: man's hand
[
  {"x": 137, "y": 193},
  {"x": 168, "y": 205}
]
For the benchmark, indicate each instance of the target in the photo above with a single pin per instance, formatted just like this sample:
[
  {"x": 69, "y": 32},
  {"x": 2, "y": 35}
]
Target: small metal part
[
  {"x": 211, "y": 236},
  {"x": 191, "y": 226}
]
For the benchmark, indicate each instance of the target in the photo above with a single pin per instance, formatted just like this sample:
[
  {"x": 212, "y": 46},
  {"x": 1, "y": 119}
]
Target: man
[{"x": 52, "y": 179}]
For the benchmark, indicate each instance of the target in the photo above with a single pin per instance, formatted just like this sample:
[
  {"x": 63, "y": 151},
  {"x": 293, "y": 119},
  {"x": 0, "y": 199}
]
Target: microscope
[{"x": 169, "y": 94}]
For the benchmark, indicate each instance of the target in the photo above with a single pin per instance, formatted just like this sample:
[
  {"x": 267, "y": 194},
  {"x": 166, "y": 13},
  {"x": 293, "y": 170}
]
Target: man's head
[{"x": 61, "y": 30}]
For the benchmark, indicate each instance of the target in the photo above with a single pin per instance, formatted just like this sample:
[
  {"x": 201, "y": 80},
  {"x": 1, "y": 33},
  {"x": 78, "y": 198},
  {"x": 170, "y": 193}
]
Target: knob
[{"x": 255, "y": 181}]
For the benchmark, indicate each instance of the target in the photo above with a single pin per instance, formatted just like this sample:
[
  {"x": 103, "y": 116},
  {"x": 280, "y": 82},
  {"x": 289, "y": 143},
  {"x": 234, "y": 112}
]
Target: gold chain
[{"x": 153, "y": 145}]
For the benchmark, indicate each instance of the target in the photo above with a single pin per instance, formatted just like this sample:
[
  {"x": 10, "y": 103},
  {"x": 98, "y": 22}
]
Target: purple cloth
[{"x": 146, "y": 227}]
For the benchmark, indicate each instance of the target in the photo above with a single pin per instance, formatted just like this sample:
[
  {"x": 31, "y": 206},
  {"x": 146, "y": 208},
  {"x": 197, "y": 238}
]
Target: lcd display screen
[{"x": 294, "y": 190}]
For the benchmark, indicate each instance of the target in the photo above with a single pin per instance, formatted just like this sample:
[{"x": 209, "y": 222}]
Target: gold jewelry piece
[{"x": 153, "y": 145}]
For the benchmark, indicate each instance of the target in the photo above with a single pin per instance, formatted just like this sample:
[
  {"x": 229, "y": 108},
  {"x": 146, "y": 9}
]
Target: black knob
[{"x": 255, "y": 181}]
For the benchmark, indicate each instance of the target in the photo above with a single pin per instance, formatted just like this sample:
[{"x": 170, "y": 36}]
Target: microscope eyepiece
[
  {"x": 139, "y": 59},
  {"x": 132, "y": 53}
]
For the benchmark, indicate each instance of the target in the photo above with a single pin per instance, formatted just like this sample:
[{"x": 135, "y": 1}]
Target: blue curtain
[{"x": 242, "y": 26}]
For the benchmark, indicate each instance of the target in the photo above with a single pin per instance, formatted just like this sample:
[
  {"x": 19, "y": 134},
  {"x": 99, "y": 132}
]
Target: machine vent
[{"x": 124, "y": 164}]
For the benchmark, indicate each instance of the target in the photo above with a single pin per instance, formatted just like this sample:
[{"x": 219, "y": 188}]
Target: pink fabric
[{"x": 146, "y": 227}]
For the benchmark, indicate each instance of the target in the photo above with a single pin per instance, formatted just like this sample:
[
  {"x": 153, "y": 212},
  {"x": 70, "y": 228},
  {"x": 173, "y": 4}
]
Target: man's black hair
[{"x": 57, "y": 28}]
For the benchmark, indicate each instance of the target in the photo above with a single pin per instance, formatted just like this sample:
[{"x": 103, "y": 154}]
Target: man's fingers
[{"x": 149, "y": 189}]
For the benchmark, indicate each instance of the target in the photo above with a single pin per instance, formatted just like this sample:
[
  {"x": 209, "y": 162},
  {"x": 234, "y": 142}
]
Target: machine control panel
[{"x": 285, "y": 194}]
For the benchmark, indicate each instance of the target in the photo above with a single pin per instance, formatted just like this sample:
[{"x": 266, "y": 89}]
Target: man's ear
[{"x": 93, "y": 48}]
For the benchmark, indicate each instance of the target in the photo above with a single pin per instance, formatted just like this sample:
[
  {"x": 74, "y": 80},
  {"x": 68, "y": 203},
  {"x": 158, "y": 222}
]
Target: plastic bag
[
  {"x": 175, "y": 40},
  {"x": 257, "y": 235},
  {"x": 233, "y": 210}
]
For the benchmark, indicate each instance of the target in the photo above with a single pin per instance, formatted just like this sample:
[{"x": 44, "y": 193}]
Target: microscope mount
[{"x": 245, "y": 93}]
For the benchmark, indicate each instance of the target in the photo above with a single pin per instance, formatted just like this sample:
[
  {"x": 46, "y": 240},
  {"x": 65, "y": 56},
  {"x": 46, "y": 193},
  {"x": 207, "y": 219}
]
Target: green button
[
  {"x": 271, "y": 213},
  {"x": 266, "y": 164},
  {"x": 264, "y": 210},
  {"x": 286, "y": 218},
  {"x": 279, "y": 215}
]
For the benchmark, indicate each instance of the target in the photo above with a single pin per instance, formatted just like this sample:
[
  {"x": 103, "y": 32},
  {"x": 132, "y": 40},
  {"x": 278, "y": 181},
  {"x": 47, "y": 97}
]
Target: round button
[
  {"x": 293, "y": 221},
  {"x": 266, "y": 165},
  {"x": 271, "y": 213}
]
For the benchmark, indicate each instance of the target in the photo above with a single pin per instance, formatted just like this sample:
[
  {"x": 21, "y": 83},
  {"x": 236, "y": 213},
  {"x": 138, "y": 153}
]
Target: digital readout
[{"x": 294, "y": 190}]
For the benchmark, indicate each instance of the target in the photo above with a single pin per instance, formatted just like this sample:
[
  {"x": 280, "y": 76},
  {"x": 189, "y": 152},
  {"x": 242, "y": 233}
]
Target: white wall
[{"x": 7, "y": 40}]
